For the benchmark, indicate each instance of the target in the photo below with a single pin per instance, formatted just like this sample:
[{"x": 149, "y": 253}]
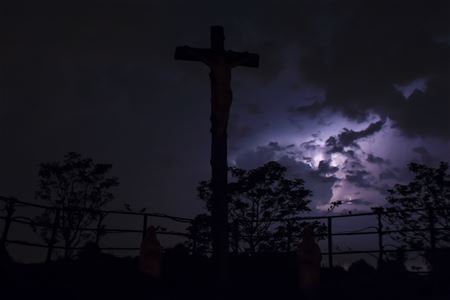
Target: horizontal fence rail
[{"x": 12, "y": 204}]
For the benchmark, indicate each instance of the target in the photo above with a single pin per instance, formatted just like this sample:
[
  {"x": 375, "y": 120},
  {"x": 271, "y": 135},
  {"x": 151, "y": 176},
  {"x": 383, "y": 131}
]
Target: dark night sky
[{"x": 346, "y": 94}]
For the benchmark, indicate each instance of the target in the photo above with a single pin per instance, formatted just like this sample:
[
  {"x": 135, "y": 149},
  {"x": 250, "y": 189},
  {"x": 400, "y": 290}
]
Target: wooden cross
[{"x": 220, "y": 63}]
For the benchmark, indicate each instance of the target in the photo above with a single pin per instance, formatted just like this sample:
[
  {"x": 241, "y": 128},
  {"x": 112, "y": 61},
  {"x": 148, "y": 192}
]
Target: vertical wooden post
[
  {"x": 221, "y": 98},
  {"x": 236, "y": 238},
  {"x": 330, "y": 242},
  {"x": 99, "y": 228},
  {"x": 144, "y": 226},
  {"x": 432, "y": 230},
  {"x": 10, "y": 209},
  {"x": 194, "y": 237},
  {"x": 380, "y": 239},
  {"x": 53, "y": 237},
  {"x": 221, "y": 63},
  {"x": 289, "y": 236},
  {"x": 432, "y": 244}
]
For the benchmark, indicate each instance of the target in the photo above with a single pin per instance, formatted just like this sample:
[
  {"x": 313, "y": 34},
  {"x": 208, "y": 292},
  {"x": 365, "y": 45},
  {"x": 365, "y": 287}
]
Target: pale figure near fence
[
  {"x": 150, "y": 254},
  {"x": 308, "y": 259}
]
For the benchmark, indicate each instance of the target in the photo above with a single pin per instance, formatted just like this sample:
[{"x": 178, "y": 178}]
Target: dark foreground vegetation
[
  {"x": 417, "y": 218},
  {"x": 96, "y": 275}
]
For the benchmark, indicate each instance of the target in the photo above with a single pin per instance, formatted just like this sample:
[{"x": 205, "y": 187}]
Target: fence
[{"x": 11, "y": 205}]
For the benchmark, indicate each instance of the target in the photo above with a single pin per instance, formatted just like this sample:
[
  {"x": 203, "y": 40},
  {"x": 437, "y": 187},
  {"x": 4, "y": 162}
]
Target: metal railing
[
  {"x": 378, "y": 230},
  {"x": 11, "y": 205}
]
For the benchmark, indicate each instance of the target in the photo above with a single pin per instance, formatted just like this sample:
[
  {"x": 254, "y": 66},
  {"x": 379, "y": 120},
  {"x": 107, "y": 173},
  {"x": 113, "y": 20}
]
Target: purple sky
[{"x": 346, "y": 95}]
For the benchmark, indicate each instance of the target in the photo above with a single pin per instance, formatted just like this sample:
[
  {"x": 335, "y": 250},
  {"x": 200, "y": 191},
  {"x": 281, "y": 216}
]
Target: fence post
[
  {"x": 10, "y": 209},
  {"x": 330, "y": 242},
  {"x": 380, "y": 239},
  {"x": 432, "y": 230},
  {"x": 432, "y": 243},
  {"x": 194, "y": 237},
  {"x": 235, "y": 234},
  {"x": 144, "y": 226},
  {"x": 53, "y": 237},
  {"x": 99, "y": 228},
  {"x": 289, "y": 236}
]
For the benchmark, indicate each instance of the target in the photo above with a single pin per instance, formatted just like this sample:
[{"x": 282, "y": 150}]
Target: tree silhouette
[
  {"x": 76, "y": 188},
  {"x": 263, "y": 210},
  {"x": 421, "y": 208}
]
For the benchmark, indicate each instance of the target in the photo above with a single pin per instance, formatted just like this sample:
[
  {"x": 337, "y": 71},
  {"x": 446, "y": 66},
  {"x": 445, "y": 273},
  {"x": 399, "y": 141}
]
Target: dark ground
[{"x": 185, "y": 277}]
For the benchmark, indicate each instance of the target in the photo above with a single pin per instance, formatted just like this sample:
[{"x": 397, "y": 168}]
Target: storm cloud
[{"x": 377, "y": 46}]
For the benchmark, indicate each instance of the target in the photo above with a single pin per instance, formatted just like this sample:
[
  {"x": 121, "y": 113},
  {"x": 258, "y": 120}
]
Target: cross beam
[
  {"x": 220, "y": 62},
  {"x": 217, "y": 51}
]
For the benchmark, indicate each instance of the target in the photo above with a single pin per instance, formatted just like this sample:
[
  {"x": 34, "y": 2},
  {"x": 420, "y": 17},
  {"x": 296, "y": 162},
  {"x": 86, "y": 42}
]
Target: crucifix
[{"x": 220, "y": 63}]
